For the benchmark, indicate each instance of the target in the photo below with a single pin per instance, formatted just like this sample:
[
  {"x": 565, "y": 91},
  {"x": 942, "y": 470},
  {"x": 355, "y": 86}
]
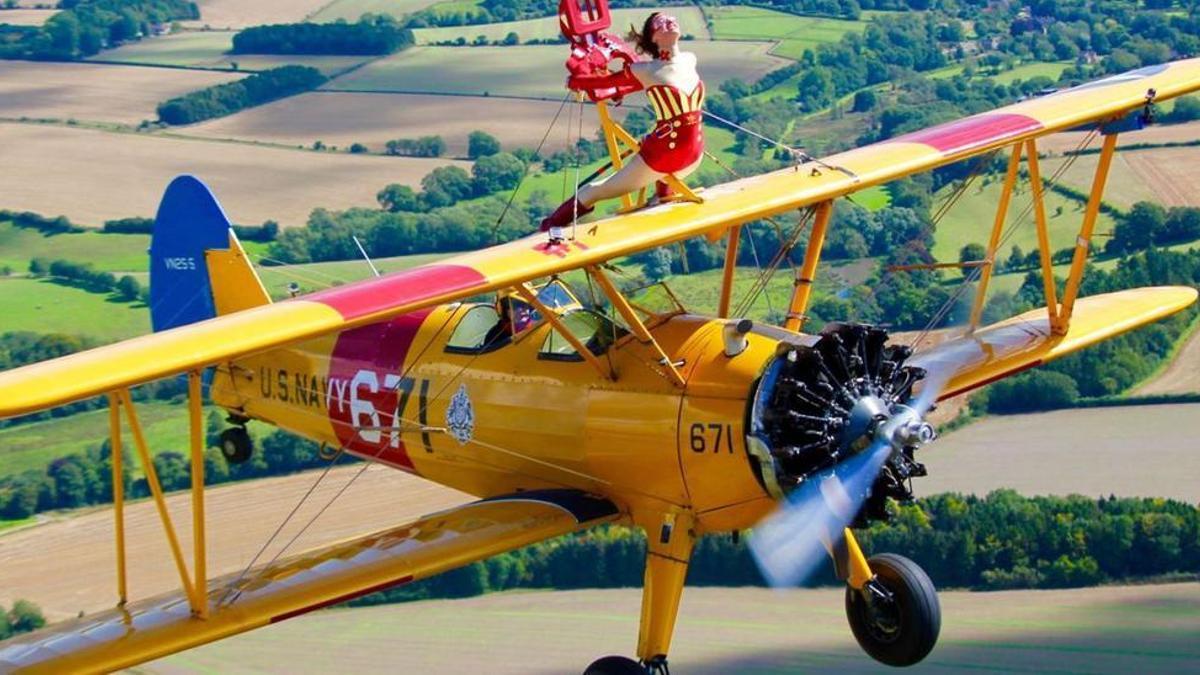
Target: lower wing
[{"x": 126, "y": 636}]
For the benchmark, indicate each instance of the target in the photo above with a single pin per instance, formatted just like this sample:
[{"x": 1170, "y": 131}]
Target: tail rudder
[{"x": 198, "y": 269}]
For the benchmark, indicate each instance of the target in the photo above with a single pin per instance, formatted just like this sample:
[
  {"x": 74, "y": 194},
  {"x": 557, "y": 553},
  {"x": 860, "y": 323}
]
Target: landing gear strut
[{"x": 895, "y": 616}]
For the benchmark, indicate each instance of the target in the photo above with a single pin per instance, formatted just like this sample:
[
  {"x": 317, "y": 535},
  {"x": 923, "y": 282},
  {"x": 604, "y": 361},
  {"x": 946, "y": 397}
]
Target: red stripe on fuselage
[
  {"x": 372, "y": 296},
  {"x": 972, "y": 132},
  {"x": 370, "y": 388}
]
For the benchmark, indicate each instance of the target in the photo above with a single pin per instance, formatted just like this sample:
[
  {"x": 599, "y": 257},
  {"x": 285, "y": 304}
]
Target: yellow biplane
[{"x": 559, "y": 417}]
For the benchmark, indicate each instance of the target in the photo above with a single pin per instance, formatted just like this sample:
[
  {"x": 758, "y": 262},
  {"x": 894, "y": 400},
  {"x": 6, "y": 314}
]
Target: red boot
[
  {"x": 565, "y": 213},
  {"x": 664, "y": 192}
]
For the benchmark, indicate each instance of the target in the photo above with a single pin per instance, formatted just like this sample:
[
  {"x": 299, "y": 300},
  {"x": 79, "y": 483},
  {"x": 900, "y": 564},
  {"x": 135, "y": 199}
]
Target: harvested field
[
  {"x": 691, "y": 22},
  {"x": 26, "y": 17},
  {"x": 121, "y": 175},
  {"x": 351, "y": 10},
  {"x": 1133, "y": 629},
  {"x": 1158, "y": 133},
  {"x": 1182, "y": 376},
  {"x": 93, "y": 92},
  {"x": 1133, "y": 451},
  {"x": 240, "y": 519},
  {"x": 527, "y": 71},
  {"x": 210, "y": 49},
  {"x": 242, "y": 14},
  {"x": 340, "y": 118}
]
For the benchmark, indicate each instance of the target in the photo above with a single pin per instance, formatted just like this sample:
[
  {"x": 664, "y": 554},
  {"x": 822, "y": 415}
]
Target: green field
[
  {"x": 108, "y": 252},
  {"x": 315, "y": 276},
  {"x": 698, "y": 291},
  {"x": 749, "y": 631},
  {"x": 33, "y": 446},
  {"x": 526, "y": 71},
  {"x": 1027, "y": 71},
  {"x": 970, "y": 220},
  {"x": 794, "y": 33},
  {"x": 45, "y": 307},
  {"x": 690, "y": 19},
  {"x": 352, "y": 10},
  {"x": 209, "y": 49}
]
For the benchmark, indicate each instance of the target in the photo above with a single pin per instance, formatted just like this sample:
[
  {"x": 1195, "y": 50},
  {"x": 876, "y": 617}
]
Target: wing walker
[{"x": 561, "y": 417}]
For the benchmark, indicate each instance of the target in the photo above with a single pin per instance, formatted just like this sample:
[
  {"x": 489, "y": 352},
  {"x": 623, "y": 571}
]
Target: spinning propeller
[{"x": 842, "y": 423}]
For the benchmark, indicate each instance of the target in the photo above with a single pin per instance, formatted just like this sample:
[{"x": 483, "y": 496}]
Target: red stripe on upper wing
[
  {"x": 972, "y": 132},
  {"x": 371, "y": 296}
]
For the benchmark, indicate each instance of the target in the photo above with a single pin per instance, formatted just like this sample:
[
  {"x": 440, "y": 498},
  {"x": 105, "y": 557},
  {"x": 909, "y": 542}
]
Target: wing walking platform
[{"x": 142, "y": 631}]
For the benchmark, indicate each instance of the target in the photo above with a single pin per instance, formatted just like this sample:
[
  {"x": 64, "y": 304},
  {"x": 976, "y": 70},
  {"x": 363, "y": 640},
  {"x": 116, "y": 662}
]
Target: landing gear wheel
[
  {"x": 896, "y": 622},
  {"x": 236, "y": 445},
  {"x": 615, "y": 665}
]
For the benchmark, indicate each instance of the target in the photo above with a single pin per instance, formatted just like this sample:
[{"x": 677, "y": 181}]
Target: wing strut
[
  {"x": 802, "y": 290},
  {"x": 635, "y": 323},
  {"x": 1083, "y": 241},
  {"x": 193, "y": 586}
]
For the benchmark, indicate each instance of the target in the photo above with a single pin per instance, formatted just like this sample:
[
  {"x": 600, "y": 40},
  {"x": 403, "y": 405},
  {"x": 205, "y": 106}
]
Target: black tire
[
  {"x": 905, "y": 631},
  {"x": 236, "y": 445},
  {"x": 615, "y": 665}
]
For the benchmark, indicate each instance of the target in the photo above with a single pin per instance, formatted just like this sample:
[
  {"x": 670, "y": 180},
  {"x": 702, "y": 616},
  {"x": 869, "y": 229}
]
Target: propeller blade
[{"x": 790, "y": 544}]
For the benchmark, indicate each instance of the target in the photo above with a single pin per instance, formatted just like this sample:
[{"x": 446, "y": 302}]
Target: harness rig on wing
[{"x": 584, "y": 23}]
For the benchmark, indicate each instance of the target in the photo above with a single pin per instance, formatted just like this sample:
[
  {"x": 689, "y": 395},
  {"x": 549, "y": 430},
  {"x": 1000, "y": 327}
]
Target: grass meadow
[
  {"x": 532, "y": 71},
  {"x": 107, "y": 252},
  {"x": 691, "y": 22},
  {"x": 210, "y": 49},
  {"x": 44, "y": 306},
  {"x": 235, "y": 14},
  {"x": 351, "y": 10},
  {"x": 794, "y": 34}
]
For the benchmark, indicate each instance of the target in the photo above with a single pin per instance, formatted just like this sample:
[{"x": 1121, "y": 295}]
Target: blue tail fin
[{"x": 189, "y": 222}]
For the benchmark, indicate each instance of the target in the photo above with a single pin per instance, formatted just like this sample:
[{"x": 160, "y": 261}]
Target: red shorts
[{"x": 675, "y": 144}]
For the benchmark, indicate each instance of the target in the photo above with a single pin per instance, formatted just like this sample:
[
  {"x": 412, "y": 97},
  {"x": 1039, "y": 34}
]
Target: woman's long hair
[{"x": 644, "y": 41}]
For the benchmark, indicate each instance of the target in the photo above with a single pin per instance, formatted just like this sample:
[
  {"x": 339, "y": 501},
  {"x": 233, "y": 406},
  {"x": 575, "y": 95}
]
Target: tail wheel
[
  {"x": 896, "y": 617},
  {"x": 236, "y": 445},
  {"x": 615, "y": 665}
]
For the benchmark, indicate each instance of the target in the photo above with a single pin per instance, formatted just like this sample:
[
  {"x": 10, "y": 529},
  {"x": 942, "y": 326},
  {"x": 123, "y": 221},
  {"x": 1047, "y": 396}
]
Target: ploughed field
[
  {"x": 1129, "y": 451},
  {"x": 101, "y": 176},
  {"x": 1142, "y": 629}
]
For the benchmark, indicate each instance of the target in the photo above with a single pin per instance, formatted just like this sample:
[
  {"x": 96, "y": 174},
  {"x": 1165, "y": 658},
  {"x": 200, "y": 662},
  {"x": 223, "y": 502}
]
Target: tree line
[
  {"x": 84, "y": 27},
  {"x": 372, "y": 35},
  {"x": 141, "y": 225},
  {"x": 1000, "y": 541},
  {"x": 85, "y": 478},
  {"x": 83, "y": 275},
  {"x": 226, "y": 99}
]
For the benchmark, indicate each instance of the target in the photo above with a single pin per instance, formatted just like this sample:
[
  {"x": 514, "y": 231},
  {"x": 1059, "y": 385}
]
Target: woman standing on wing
[{"x": 676, "y": 145}]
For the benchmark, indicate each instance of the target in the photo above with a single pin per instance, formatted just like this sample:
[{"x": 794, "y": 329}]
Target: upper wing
[
  {"x": 216, "y": 340},
  {"x": 126, "y": 636},
  {"x": 1025, "y": 341}
]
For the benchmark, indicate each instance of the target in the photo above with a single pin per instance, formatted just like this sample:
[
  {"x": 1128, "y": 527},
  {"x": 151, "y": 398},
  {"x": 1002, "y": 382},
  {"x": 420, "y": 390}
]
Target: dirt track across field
[
  {"x": 67, "y": 566},
  {"x": 748, "y": 631}
]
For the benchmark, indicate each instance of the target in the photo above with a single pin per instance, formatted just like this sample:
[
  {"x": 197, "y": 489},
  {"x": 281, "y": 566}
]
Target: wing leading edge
[
  {"x": 124, "y": 637},
  {"x": 228, "y": 337}
]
